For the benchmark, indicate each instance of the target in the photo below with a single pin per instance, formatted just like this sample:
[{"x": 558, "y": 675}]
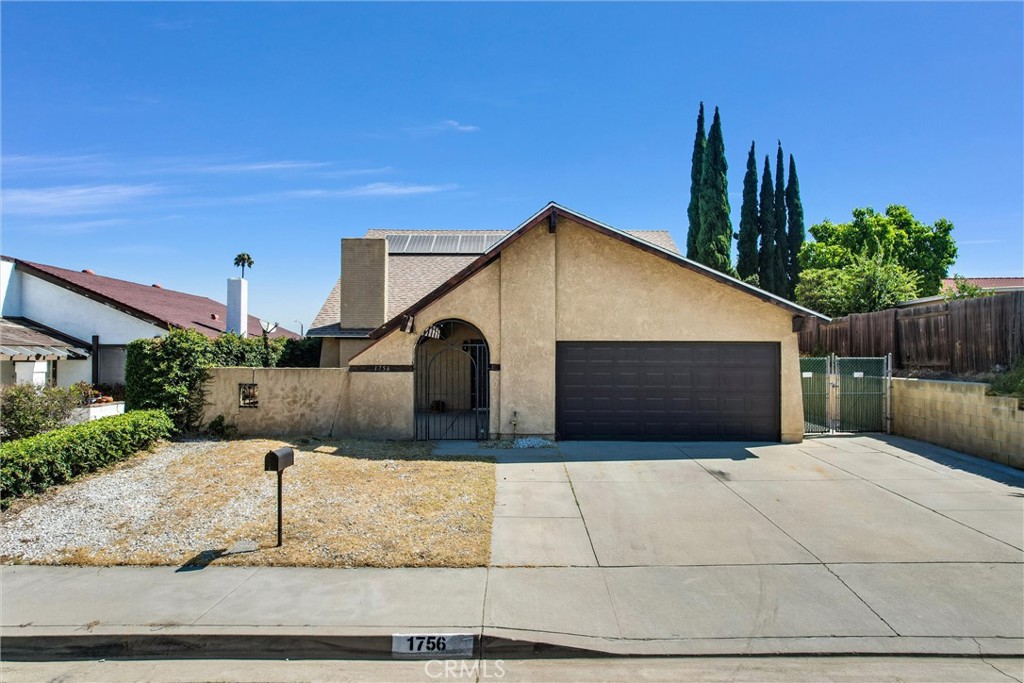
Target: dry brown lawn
[{"x": 346, "y": 503}]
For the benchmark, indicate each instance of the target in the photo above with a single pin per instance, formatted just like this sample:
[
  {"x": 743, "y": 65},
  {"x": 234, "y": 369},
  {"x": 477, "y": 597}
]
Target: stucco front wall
[
  {"x": 573, "y": 285},
  {"x": 476, "y": 301},
  {"x": 611, "y": 291},
  {"x": 291, "y": 400}
]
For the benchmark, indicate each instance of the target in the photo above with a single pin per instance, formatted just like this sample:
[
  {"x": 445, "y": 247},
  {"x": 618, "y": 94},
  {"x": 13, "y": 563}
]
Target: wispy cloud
[
  {"x": 258, "y": 166},
  {"x": 371, "y": 190},
  {"x": 980, "y": 241},
  {"x": 446, "y": 126},
  {"x": 68, "y": 163},
  {"x": 69, "y": 200},
  {"x": 111, "y": 165},
  {"x": 349, "y": 172}
]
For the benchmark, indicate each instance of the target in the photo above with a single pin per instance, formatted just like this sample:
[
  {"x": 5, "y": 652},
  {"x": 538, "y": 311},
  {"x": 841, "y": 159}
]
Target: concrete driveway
[{"x": 849, "y": 537}]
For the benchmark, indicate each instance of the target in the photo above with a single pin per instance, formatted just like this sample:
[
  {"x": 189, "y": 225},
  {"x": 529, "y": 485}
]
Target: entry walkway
[{"x": 873, "y": 545}]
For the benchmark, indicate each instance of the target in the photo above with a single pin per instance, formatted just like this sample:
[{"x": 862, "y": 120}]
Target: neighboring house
[
  {"x": 63, "y": 326},
  {"x": 563, "y": 327},
  {"x": 995, "y": 284}
]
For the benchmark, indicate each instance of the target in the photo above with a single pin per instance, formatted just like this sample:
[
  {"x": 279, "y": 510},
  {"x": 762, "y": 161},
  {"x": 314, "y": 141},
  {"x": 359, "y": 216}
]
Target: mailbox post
[{"x": 277, "y": 461}]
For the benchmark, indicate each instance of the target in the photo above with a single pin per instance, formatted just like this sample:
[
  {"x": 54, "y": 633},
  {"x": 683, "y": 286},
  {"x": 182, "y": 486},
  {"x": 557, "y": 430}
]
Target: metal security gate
[
  {"x": 846, "y": 394},
  {"x": 452, "y": 388}
]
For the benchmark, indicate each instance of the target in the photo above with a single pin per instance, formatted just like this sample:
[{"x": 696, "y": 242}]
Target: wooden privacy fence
[{"x": 967, "y": 335}]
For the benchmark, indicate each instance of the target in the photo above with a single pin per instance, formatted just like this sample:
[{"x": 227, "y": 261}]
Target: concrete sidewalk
[
  {"x": 865, "y": 545},
  {"x": 53, "y": 612}
]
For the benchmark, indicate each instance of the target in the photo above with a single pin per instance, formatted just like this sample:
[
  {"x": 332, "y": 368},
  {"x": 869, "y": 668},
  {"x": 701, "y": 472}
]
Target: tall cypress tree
[
  {"x": 766, "y": 230},
  {"x": 781, "y": 279},
  {"x": 696, "y": 167},
  {"x": 795, "y": 209},
  {"x": 714, "y": 243},
  {"x": 746, "y": 262}
]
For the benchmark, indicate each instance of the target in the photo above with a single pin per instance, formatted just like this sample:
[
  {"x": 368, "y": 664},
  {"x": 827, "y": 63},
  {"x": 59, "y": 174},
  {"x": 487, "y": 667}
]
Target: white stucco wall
[
  {"x": 73, "y": 371},
  {"x": 10, "y": 289},
  {"x": 31, "y": 372},
  {"x": 77, "y": 315}
]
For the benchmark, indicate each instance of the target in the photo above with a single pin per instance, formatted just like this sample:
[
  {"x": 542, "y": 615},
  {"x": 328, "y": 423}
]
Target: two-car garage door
[{"x": 668, "y": 390}]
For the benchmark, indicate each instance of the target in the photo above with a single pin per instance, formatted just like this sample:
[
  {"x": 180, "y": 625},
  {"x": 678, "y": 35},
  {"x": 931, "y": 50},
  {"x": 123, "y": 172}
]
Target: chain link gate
[{"x": 846, "y": 394}]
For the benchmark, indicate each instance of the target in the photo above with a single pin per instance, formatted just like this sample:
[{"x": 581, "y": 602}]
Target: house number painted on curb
[{"x": 432, "y": 645}]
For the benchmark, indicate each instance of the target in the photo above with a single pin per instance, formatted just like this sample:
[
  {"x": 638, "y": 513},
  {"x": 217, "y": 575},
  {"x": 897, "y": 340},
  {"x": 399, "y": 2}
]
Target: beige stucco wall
[
  {"x": 314, "y": 401},
  {"x": 291, "y": 400},
  {"x": 580, "y": 285},
  {"x": 335, "y": 352},
  {"x": 960, "y": 416},
  {"x": 528, "y": 315},
  {"x": 380, "y": 405}
]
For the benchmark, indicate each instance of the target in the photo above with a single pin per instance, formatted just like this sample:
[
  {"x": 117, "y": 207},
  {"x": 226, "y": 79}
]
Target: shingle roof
[
  {"x": 162, "y": 307},
  {"x": 986, "y": 282},
  {"x": 412, "y": 276}
]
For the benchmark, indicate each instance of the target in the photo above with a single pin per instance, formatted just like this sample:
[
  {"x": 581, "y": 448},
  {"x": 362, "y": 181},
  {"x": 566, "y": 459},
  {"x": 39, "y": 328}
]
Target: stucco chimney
[
  {"x": 238, "y": 306},
  {"x": 364, "y": 283}
]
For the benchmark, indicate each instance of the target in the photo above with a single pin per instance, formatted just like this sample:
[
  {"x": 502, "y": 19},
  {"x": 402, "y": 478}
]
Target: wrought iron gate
[
  {"x": 846, "y": 394},
  {"x": 452, "y": 390}
]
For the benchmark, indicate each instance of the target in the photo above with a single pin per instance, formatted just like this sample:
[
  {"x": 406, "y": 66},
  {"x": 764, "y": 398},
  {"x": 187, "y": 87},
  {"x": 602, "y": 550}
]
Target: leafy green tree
[
  {"x": 795, "y": 211},
  {"x": 243, "y": 260},
  {"x": 746, "y": 262},
  {"x": 766, "y": 231},
  {"x": 781, "y": 241},
  {"x": 696, "y": 168},
  {"x": 714, "y": 243},
  {"x": 927, "y": 251},
  {"x": 869, "y": 283}
]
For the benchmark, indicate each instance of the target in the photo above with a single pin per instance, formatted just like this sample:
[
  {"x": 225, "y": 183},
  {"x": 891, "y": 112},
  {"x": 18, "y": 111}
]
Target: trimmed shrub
[
  {"x": 29, "y": 410},
  {"x": 34, "y": 464},
  {"x": 168, "y": 373}
]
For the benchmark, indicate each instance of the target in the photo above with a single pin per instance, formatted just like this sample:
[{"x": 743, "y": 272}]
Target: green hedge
[{"x": 32, "y": 465}]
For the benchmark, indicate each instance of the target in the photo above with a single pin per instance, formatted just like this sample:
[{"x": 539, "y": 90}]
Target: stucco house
[
  {"x": 563, "y": 327},
  {"x": 62, "y": 326}
]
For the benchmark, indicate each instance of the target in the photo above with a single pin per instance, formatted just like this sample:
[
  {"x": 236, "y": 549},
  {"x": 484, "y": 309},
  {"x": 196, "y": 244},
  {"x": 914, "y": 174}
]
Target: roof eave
[{"x": 494, "y": 252}]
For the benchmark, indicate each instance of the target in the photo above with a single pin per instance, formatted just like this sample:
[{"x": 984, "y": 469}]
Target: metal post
[{"x": 280, "y": 474}]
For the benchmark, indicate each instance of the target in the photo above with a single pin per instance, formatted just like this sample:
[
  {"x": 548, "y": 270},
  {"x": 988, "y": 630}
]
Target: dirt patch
[{"x": 347, "y": 504}]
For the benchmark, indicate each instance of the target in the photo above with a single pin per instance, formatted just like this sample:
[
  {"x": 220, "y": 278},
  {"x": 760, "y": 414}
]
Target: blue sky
[{"x": 153, "y": 142}]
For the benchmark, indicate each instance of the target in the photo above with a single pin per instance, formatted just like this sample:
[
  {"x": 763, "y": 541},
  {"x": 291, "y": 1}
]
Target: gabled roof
[
  {"x": 552, "y": 211},
  {"x": 161, "y": 307},
  {"x": 416, "y": 270}
]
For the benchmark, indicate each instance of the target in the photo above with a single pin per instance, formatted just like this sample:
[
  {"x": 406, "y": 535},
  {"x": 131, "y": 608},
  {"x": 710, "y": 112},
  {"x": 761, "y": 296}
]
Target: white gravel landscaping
[
  {"x": 347, "y": 503},
  {"x": 95, "y": 512}
]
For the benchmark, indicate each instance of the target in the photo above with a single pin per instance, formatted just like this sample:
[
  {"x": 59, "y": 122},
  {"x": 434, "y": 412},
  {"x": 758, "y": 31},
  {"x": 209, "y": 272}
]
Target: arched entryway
[{"x": 452, "y": 382}]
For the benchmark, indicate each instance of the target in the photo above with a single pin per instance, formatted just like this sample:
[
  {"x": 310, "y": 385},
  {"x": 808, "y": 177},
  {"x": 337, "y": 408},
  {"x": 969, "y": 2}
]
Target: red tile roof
[
  {"x": 987, "y": 282},
  {"x": 163, "y": 307}
]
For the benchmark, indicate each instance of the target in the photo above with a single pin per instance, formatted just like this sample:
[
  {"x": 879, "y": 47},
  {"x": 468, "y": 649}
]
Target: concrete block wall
[{"x": 959, "y": 415}]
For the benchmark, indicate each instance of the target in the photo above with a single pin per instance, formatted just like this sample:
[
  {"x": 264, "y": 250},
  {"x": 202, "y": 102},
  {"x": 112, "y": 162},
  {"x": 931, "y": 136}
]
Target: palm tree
[{"x": 243, "y": 260}]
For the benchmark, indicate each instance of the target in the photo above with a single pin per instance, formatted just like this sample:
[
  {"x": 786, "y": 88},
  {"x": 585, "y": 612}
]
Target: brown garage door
[{"x": 667, "y": 390}]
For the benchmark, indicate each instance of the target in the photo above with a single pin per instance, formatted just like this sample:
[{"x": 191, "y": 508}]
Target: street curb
[{"x": 310, "y": 645}]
